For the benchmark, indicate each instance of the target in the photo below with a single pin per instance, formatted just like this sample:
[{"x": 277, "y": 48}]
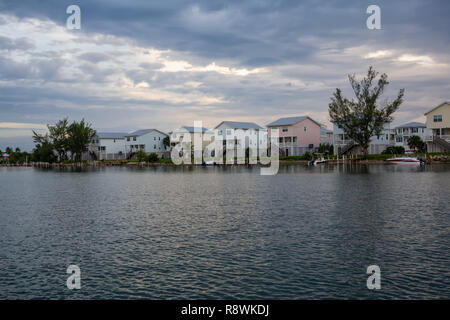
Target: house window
[
  {"x": 399, "y": 139},
  {"x": 280, "y": 140},
  {"x": 437, "y": 118},
  {"x": 414, "y": 130},
  {"x": 285, "y": 129},
  {"x": 128, "y": 139},
  {"x": 228, "y": 132},
  {"x": 142, "y": 146},
  {"x": 304, "y": 129},
  {"x": 294, "y": 139},
  {"x": 102, "y": 148},
  {"x": 159, "y": 138},
  {"x": 154, "y": 146},
  {"x": 274, "y": 129},
  {"x": 220, "y": 132},
  {"x": 134, "y": 138}
]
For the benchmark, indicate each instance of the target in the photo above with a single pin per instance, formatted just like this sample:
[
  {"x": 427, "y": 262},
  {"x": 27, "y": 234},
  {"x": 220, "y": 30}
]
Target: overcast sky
[{"x": 163, "y": 64}]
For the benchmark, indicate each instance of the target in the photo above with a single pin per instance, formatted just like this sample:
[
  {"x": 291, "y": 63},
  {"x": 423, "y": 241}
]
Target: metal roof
[
  {"x": 412, "y": 125},
  {"x": 289, "y": 121},
  {"x": 324, "y": 130},
  {"x": 111, "y": 135},
  {"x": 191, "y": 129},
  {"x": 241, "y": 125}
]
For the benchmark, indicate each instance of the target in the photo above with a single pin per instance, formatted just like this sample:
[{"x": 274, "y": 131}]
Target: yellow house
[{"x": 438, "y": 120}]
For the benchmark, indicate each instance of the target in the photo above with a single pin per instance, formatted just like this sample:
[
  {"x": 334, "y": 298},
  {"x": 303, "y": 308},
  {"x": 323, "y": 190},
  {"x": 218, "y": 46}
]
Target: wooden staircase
[
  {"x": 442, "y": 143},
  {"x": 347, "y": 147}
]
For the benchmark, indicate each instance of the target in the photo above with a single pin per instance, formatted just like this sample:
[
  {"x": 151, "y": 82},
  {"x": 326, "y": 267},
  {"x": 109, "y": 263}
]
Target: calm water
[{"x": 225, "y": 233}]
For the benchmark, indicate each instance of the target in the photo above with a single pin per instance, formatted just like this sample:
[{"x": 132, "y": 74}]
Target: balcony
[{"x": 443, "y": 137}]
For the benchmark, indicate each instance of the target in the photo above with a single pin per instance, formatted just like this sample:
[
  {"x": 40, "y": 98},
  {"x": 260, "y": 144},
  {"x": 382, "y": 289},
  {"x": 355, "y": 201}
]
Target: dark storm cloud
[{"x": 250, "y": 31}]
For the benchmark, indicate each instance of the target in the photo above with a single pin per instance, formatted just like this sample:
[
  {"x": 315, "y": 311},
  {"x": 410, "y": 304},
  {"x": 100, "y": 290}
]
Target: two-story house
[
  {"x": 296, "y": 134},
  {"x": 403, "y": 132},
  {"x": 438, "y": 121},
  {"x": 344, "y": 145},
  {"x": 190, "y": 135},
  {"x": 238, "y": 136},
  {"x": 147, "y": 140},
  {"x": 326, "y": 136},
  {"x": 109, "y": 145}
]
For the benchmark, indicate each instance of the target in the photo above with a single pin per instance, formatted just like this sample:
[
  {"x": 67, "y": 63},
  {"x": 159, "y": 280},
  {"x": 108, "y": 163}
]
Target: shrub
[
  {"x": 152, "y": 157},
  {"x": 394, "y": 150},
  {"x": 141, "y": 156}
]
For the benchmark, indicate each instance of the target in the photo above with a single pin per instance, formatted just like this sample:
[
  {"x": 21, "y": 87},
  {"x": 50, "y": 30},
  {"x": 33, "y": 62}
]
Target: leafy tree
[
  {"x": 79, "y": 135},
  {"x": 141, "y": 156},
  {"x": 59, "y": 136},
  {"x": 43, "y": 153},
  {"x": 9, "y": 150},
  {"x": 416, "y": 143},
  {"x": 363, "y": 118},
  {"x": 152, "y": 157}
]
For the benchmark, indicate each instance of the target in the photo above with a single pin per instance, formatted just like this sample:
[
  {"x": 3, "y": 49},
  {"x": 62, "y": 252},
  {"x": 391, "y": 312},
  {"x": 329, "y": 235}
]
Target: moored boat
[{"x": 407, "y": 160}]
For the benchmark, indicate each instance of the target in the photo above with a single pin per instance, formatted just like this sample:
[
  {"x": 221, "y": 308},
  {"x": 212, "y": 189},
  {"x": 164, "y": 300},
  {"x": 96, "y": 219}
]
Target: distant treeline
[{"x": 62, "y": 142}]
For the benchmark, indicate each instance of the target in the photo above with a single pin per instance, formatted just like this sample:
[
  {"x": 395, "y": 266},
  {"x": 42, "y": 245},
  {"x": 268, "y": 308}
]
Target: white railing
[
  {"x": 342, "y": 142},
  {"x": 431, "y": 138}
]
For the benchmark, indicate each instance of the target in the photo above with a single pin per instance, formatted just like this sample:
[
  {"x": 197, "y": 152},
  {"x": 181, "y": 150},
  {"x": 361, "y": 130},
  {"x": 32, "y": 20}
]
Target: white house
[
  {"x": 326, "y": 136},
  {"x": 147, "y": 140},
  {"x": 403, "y": 132},
  {"x": 190, "y": 135},
  {"x": 343, "y": 144},
  {"x": 239, "y": 136},
  {"x": 109, "y": 145}
]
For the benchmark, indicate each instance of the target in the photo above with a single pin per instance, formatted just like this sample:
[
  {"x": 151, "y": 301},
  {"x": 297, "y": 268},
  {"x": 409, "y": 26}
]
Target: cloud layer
[{"x": 163, "y": 64}]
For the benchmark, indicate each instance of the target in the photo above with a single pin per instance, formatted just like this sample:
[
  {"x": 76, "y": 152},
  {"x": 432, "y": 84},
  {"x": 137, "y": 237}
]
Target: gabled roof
[
  {"x": 111, "y": 135},
  {"x": 444, "y": 103},
  {"x": 412, "y": 125},
  {"x": 142, "y": 132},
  {"x": 289, "y": 121},
  {"x": 191, "y": 129},
  {"x": 240, "y": 125}
]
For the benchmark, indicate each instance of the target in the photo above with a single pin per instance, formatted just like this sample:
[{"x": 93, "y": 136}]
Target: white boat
[
  {"x": 406, "y": 160},
  {"x": 319, "y": 160}
]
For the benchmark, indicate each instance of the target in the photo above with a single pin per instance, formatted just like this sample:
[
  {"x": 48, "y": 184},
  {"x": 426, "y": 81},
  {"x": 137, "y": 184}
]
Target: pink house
[{"x": 297, "y": 134}]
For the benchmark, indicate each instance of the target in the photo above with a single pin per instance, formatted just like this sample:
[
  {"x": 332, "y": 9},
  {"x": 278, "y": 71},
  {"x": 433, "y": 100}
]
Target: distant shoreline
[{"x": 436, "y": 160}]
